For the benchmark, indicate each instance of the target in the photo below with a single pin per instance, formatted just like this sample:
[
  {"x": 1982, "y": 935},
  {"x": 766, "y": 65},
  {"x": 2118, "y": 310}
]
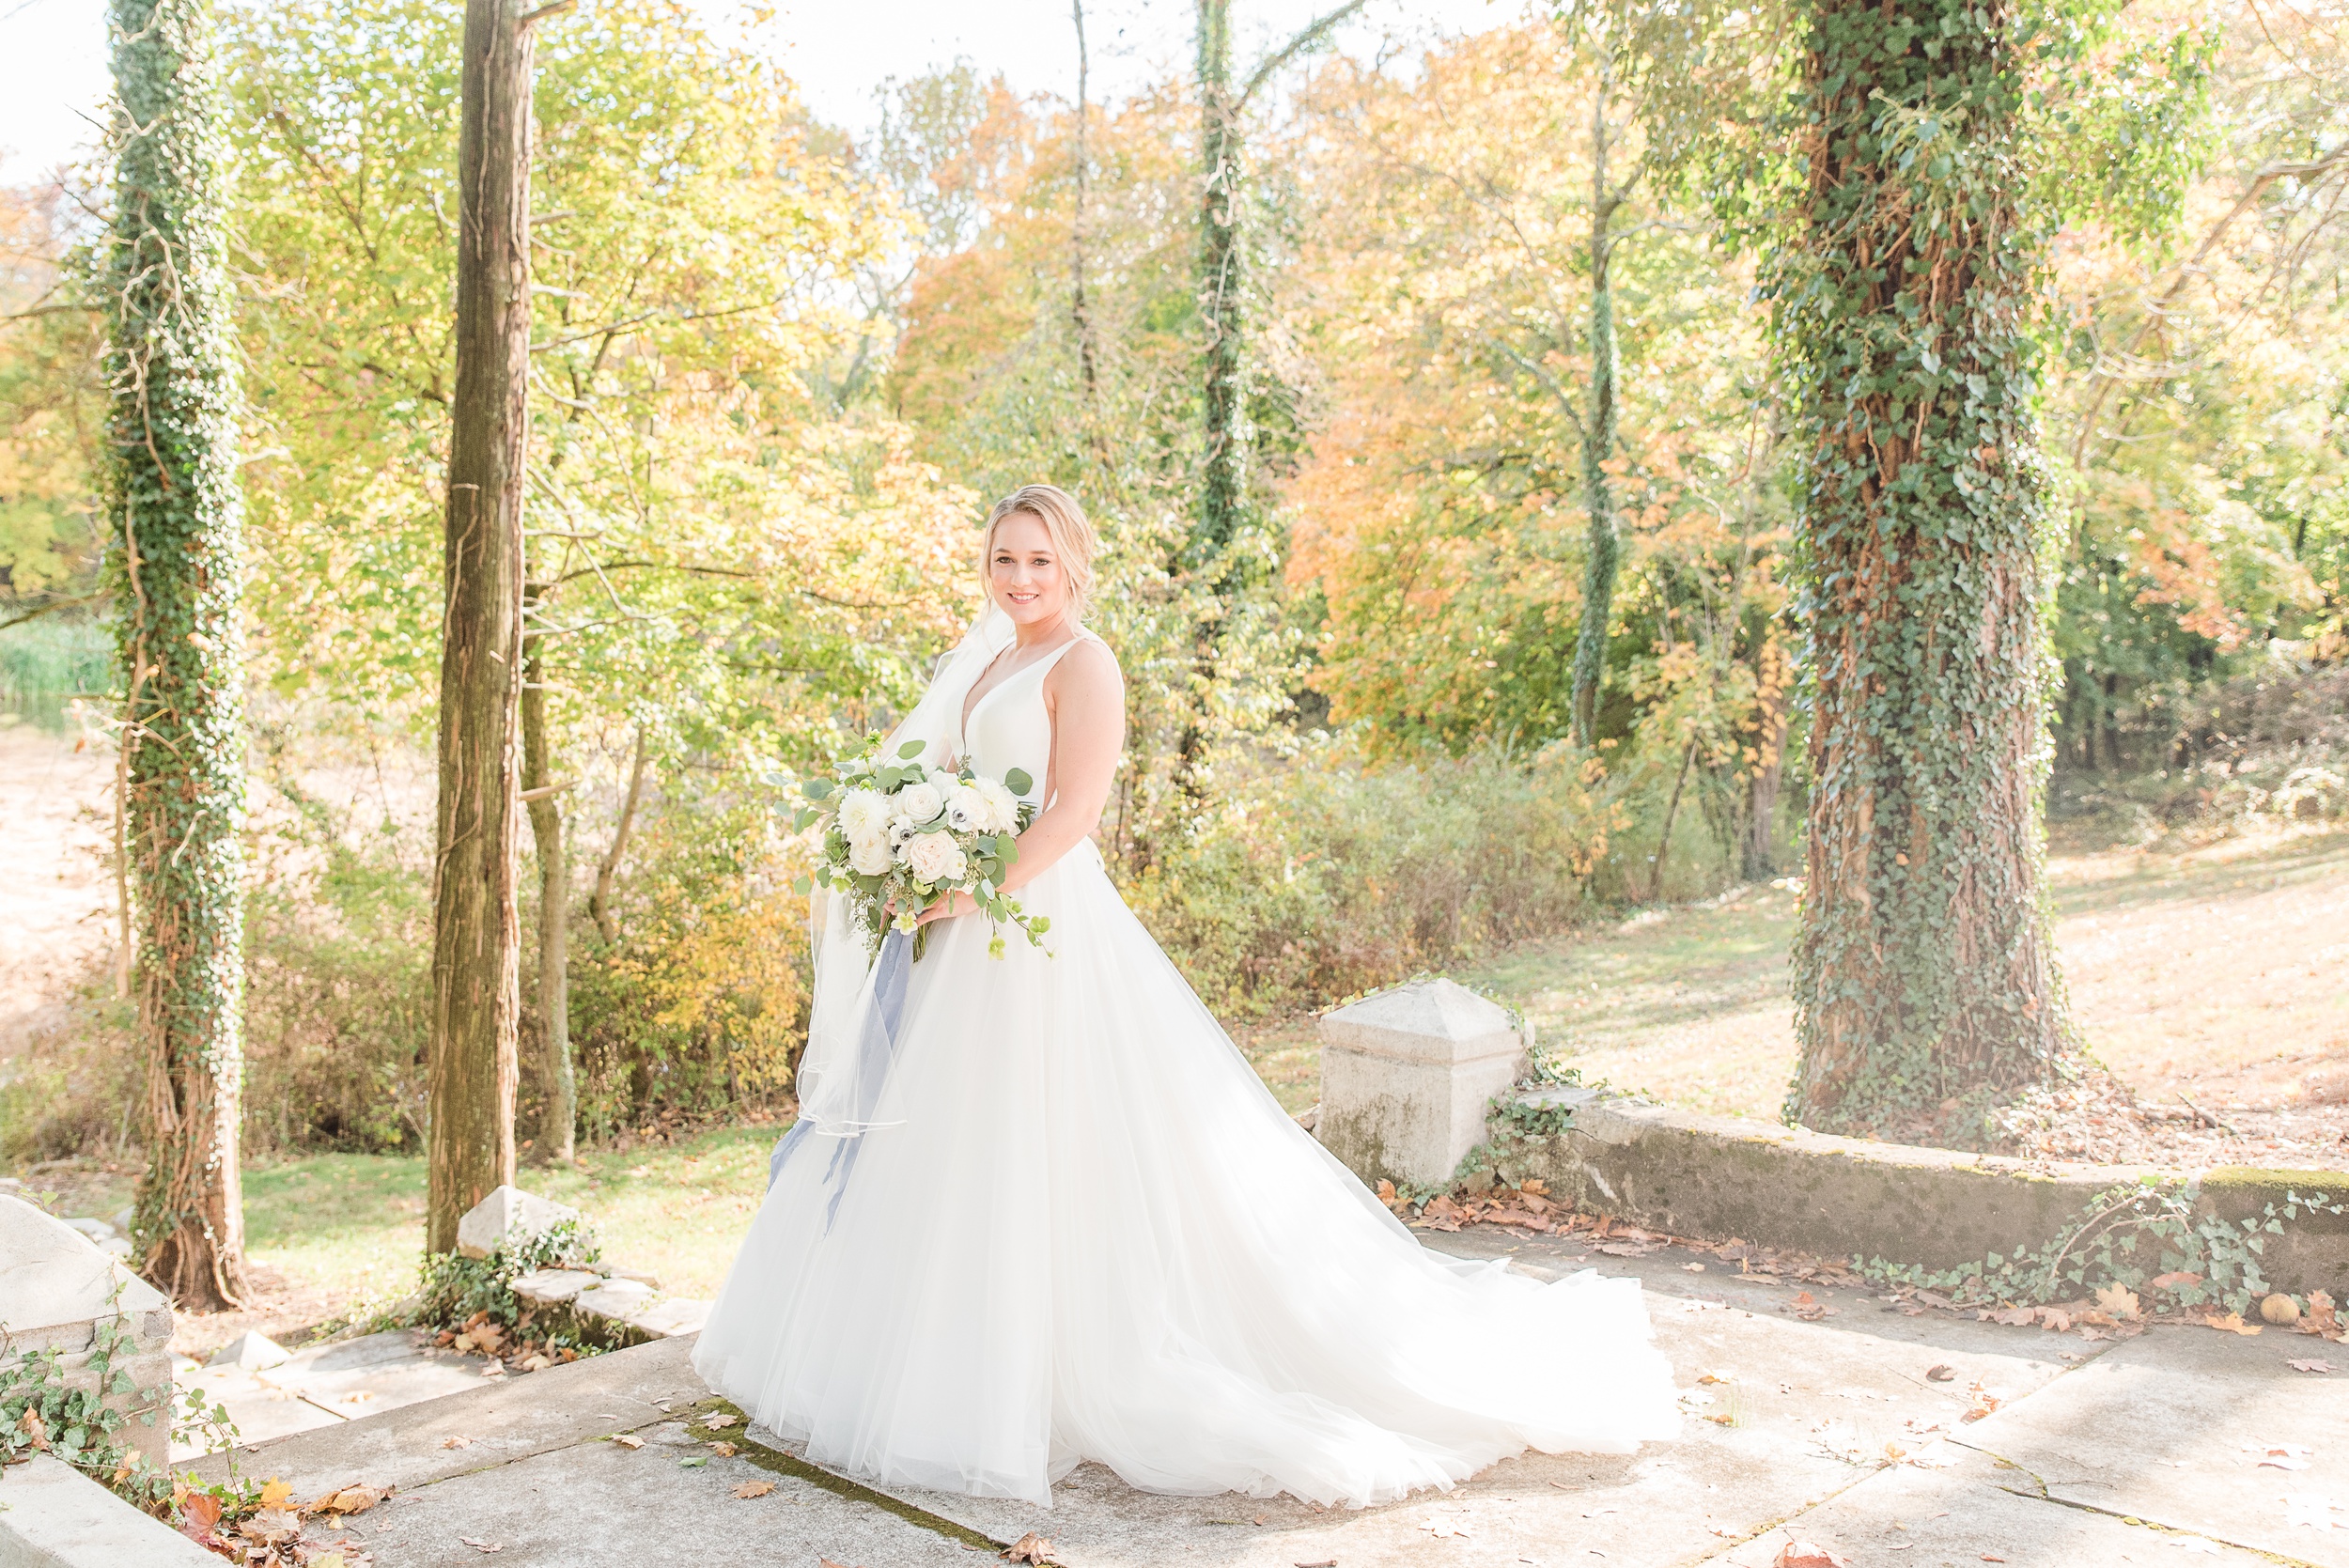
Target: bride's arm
[{"x": 1087, "y": 698}]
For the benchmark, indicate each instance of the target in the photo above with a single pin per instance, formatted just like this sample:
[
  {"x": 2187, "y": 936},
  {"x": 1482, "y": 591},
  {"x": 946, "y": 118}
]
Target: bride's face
[{"x": 1023, "y": 571}]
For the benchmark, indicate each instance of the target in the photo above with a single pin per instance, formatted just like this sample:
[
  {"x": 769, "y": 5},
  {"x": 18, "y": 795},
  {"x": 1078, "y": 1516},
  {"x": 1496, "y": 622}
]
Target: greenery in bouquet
[{"x": 900, "y": 836}]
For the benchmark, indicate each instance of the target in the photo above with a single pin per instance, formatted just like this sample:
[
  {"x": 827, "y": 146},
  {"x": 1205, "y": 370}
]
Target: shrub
[{"x": 1328, "y": 875}]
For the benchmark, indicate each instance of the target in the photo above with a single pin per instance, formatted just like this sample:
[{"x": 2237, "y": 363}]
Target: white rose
[
  {"x": 999, "y": 808},
  {"x": 864, "y": 814},
  {"x": 935, "y": 859},
  {"x": 965, "y": 809},
  {"x": 868, "y": 855},
  {"x": 918, "y": 804}
]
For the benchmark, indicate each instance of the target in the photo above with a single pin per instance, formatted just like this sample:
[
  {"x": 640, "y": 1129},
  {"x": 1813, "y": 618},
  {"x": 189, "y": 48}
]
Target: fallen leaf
[
  {"x": 628, "y": 1440},
  {"x": 724, "y": 1451},
  {"x": 268, "y": 1525},
  {"x": 2233, "y": 1322},
  {"x": 2172, "y": 1281},
  {"x": 693, "y": 1464},
  {"x": 483, "y": 1545},
  {"x": 347, "y": 1500},
  {"x": 1987, "y": 1557},
  {"x": 34, "y": 1428},
  {"x": 754, "y": 1488},
  {"x": 274, "y": 1492},
  {"x": 717, "y": 1420},
  {"x": 2284, "y": 1457},
  {"x": 1333, "y": 1562},
  {"x": 537, "y": 1363},
  {"x": 1807, "y": 1554},
  {"x": 198, "y": 1513},
  {"x": 2119, "y": 1301},
  {"x": 2312, "y": 1366},
  {"x": 1941, "y": 1373},
  {"x": 457, "y": 1442},
  {"x": 1030, "y": 1547}
]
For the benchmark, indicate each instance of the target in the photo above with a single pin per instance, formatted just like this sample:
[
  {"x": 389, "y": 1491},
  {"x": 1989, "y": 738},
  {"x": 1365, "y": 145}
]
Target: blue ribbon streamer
[{"x": 875, "y": 1050}]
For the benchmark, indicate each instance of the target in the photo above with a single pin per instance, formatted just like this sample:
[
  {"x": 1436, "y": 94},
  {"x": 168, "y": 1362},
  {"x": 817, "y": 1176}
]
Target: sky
[{"x": 53, "y": 53}]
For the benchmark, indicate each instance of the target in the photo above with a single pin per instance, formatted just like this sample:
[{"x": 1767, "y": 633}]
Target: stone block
[
  {"x": 671, "y": 1317},
  {"x": 617, "y": 1299},
  {"x": 1407, "y": 1076},
  {"x": 250, "y": 1352},
  {"x": 548, "y": 1287},
  {"x": 51, "y": 1516},
  {"x": 507, "y": 1215},
  {"x": 56, "y": 1285}
]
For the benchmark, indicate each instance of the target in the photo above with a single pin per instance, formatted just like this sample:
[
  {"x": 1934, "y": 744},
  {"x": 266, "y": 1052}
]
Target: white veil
[{"x": 853, "y": 1019}]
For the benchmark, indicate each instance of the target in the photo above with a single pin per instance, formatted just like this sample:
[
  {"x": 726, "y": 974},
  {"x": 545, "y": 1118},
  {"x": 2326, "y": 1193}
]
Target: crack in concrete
[{"x": 2044, "y": 1495}]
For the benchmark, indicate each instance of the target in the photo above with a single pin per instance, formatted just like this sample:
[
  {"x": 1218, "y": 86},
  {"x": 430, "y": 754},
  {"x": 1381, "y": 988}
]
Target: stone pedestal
[
  {"x": 56, "y": 1287},
  {"x": 1405, "y": 1077},
  {"x": 507, "y": 1216}
]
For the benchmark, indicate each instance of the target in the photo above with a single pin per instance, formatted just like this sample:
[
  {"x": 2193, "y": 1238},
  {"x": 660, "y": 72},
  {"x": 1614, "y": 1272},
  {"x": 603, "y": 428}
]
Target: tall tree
[
  {"x": 1925, "y": 979},
  {"x": 477, "y": 984},
  {"x": 543, "y": 793},
  {"x": 177, "y": 515},
  {"x": 1223, "y": 469},
  {"x": 1602, "y": 546}
]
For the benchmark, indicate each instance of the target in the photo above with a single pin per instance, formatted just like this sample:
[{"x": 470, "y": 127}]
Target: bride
[{"x": 1037, "y": 1209}]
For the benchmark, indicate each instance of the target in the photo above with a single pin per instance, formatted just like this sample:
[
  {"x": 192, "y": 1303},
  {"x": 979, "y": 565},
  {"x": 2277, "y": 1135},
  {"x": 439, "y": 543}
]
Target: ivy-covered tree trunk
[
  {"x": 1222, "y": 398},
  {"x": 1601, "y": 547},
  {"x": 476, "y": 938},
  {"x": 1925, "y": 983},
  {"x": 176, "y": 513}
]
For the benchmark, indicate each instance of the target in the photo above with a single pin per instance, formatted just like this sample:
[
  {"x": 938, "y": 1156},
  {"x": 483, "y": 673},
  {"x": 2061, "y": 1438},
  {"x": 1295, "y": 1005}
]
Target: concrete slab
[
  {"x": 481, "y": 1427},
  {"x": 375, "y": 1372},
  {"x": 51, "y": 1516},
  {"x": 260, "y": 1412},
  {"x": 598, "y": 1503},
  {"x": 2203, "y": 1432},
  {"x": 1826, "y": 1422},
  {"x": 1971, "y": 1513},
  {"x": 1802, "y": 1411}
]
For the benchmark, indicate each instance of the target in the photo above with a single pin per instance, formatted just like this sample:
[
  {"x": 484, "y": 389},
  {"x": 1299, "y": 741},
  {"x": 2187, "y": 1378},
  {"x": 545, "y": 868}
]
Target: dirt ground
[{"x": 56, "y": 888}]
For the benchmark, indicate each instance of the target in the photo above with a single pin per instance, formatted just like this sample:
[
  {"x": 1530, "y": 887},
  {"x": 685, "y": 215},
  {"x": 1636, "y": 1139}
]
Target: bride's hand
[{"x": 947, "y": 907}]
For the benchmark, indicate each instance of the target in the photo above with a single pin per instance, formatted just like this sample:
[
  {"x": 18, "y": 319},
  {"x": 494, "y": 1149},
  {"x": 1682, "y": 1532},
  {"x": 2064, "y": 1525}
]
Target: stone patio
[{"x": 2149, "y": 1451}]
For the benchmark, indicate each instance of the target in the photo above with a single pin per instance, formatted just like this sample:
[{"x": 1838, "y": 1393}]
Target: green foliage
[
  {"x": 1327, "y": 875},
  {"x": 451, "y": 1288},
  {"x": 2128, "y": 1235},
  {"x": 46, "y": 663},
  {"x": 83, "y": 1419}
]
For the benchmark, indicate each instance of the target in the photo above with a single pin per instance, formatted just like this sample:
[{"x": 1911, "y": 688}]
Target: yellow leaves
[
  {"x": 274, "y": 1492},
  {"x": 754, "y": 1489}
]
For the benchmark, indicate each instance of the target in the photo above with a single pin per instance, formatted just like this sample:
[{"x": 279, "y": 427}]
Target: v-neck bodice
[{"x": 1009, "y": 727}]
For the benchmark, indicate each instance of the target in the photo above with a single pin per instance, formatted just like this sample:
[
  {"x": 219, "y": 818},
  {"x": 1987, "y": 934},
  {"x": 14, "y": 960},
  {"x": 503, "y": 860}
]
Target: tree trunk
[
  {"x": 1925, "y": 983},
  {"x": 174, "y": 504},
  {"x": 599, "y": 901},
  {"x": 476, "y": 995},
  {"x": 1758, "y": 850},
  {"x": 1223, "y": 457},
  {"x": 544, "y": 796},
  {"x": 1080, "y": 315},
  {"x": 1602, "y": 549}
]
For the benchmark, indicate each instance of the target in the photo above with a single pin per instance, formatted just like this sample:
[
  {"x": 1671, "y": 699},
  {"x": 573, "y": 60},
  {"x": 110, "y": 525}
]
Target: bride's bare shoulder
[{"x": 1088, "y": 671}]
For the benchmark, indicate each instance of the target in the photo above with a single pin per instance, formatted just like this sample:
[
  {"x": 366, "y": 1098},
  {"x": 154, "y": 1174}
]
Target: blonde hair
[{"x": 1073, "y": 538}]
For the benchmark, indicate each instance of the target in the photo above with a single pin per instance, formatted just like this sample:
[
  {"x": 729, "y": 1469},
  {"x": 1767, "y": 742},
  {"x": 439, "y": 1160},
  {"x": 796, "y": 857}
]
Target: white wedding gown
[{"x": 1073, "y": 1224}]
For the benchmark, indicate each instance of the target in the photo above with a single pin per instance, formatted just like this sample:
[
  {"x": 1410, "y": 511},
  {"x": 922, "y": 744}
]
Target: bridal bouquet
[{"x": 900, "y": 836}]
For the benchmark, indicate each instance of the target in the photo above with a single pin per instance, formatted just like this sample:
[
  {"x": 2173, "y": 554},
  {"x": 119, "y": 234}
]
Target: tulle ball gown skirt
[{"x": 1088, "y": 1232}]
